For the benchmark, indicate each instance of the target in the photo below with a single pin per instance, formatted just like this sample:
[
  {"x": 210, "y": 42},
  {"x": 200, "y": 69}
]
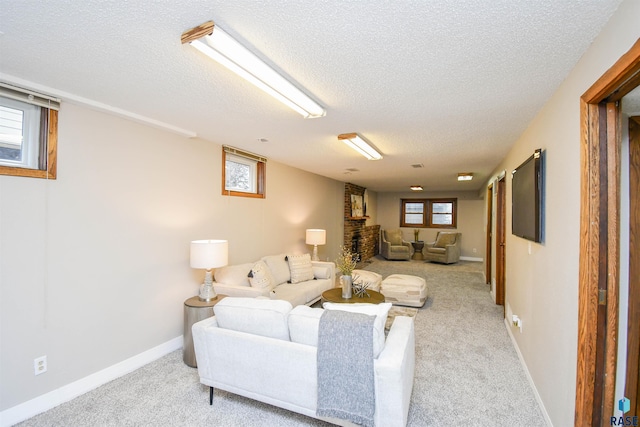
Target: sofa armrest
[
  {"x": 394, "y": 372},
  {"x": 326, "y": 264},
  {"x": 240, "y": 291}
]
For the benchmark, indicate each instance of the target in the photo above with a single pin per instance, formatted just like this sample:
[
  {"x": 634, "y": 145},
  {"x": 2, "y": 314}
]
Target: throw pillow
[
  {"x": 321, "y": 272},
  {"x": 379, "y": 310},
  {"x": 300, "y": 268},
  {"x": 279, "y": 268},
  {"x": 260, "y": 276},
  {"x": 445, "y": 239},
  {"x": 233, "y": 274}
]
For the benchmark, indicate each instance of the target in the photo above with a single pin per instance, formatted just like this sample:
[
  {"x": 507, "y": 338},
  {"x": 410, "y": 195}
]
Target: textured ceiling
[{"x": 449, "y": 84}]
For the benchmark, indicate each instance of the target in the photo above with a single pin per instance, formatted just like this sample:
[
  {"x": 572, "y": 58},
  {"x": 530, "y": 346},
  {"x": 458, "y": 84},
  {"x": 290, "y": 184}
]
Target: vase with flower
[{"x": 346, "y": 263}]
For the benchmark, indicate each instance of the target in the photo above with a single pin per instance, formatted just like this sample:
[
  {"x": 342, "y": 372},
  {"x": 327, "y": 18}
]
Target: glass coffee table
[{"x": 335, "y": 295}]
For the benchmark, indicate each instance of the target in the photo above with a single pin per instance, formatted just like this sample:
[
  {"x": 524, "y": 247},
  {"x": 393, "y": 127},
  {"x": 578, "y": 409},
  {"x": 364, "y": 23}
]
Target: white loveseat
[
  {"x": 266, "y": 350},
  {"x": 293, "y": 278}
]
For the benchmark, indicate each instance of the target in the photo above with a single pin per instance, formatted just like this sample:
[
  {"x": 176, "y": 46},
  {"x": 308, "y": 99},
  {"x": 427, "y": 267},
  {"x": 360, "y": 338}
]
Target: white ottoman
[
  {"x": 373, "y": 279},
  {"x": 403, "y": 289}
]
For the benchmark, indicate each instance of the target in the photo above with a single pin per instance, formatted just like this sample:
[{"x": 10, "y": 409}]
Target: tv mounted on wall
[{"x": 527, "y": 199}]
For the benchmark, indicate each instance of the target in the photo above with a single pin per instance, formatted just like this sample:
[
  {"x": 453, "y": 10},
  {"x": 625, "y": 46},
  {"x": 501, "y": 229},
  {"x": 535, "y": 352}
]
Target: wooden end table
[
  {"x": 417, "y": 249},
  {"x": 195, "y": 311},
  {"x": 335, "y": 295}
]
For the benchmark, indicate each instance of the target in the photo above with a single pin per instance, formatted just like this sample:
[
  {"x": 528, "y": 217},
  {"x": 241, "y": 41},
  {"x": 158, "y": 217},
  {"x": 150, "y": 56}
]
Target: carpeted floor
[{"x": 467, "y": 372}]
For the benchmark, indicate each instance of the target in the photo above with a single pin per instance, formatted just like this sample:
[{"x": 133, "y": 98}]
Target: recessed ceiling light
[
  {"x": 416, "y": 188},
  {"x": 265, "y": 140},
  {"x": 465, "y": 176}
]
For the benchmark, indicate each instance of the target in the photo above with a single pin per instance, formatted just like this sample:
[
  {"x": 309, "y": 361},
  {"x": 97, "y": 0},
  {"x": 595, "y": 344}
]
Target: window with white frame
[
  {"x": 243, "y": 173},
  {"x": 19, "y": 134},
  {"x": 28, "y": 133}
]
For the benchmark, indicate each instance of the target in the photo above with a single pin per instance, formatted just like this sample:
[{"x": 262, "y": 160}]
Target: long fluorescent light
[
  {"x": 358, "y": 143},
  {"x": 211, "y": 40}
]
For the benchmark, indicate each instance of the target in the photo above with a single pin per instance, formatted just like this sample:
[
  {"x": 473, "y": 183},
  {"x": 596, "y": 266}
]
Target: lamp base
[
  {"x": 207, "y": 293},
  {"x": 314, "y": 257}
]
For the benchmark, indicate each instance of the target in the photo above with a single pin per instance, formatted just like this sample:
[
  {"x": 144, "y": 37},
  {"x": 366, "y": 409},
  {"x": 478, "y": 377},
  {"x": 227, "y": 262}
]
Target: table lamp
[
  {"x": 209, "y": 254},
  {"x": 316, "y": 237}
]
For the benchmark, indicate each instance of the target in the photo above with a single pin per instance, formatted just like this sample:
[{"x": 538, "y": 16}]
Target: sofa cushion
[
  {"x": 233, "y": 274},
  {"x": 445, "y": 239},
  {"x": 295, "y": 293},
  {"x": 260, "y": 276},
  {"x": 300, "y": 268},
  {"x": 257, "y": 316},
  {"x": 303, "y": 324},
  {"x": 379, "y": 310},
  {"x": 279, "y": 268}
]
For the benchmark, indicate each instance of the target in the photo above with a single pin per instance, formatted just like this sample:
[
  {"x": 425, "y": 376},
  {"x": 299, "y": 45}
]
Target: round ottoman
[
  {"x": 373, "y": 279},
  {"x": 403, "y": 289}
]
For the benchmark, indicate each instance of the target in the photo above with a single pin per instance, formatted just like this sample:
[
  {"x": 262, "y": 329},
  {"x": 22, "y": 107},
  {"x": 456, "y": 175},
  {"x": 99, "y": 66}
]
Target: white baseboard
[
  {"x": 545, "y": 414},
  {"x": 471, "y": 258},
  {"x": 56, "y": 397}
]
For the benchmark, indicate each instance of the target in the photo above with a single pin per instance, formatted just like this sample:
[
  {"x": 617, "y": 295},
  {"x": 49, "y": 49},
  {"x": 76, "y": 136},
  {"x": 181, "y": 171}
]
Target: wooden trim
[
  {"x": 501, "y": 242},
  {"x": 52, "y": 155},
  {"x": 195, "y": 33},
  {"x": 599, "y": 239},
  {"x": 489, "y": 234},
  {"x": 632, "y": 386},
  {"x": 615, "y": 78}
]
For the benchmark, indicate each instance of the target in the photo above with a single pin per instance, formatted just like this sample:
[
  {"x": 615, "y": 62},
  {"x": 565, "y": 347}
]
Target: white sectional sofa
[
  {"x": 266, "y": 350},
  {"x": 294, "y": 278}
]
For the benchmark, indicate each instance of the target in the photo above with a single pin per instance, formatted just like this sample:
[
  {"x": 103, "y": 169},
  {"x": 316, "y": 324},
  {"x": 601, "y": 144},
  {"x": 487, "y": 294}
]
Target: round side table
[
  {"x": 335, "y": 295},
  {"x": 195, "y": 311},
  {"x": 417, "y": 249}
]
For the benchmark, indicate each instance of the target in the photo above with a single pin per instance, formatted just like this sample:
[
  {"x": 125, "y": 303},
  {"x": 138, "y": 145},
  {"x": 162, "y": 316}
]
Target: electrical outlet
[
  {"x": 40, "y": 365},
  {"x": 517, "y": 322},
  {"x": 475, "y": 250}
]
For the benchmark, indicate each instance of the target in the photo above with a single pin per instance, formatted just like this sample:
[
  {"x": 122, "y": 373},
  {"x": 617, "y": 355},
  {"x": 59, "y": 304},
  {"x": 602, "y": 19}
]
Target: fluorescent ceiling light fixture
[
  {"x": 465, "y": 176},
  {"x": 416, "y": 188},
  {"x": 358, "y": 143},
  {"x": 221, "y": 47}
]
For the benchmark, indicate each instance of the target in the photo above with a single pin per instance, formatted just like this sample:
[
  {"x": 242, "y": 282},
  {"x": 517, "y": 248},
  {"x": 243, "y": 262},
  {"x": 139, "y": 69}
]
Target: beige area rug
[{"x": 398, "y": 311}]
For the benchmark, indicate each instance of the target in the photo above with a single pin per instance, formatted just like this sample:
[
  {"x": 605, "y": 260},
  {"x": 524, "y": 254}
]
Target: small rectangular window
[
  {"x": 243, "y": 173},
  {"x": 428, "y": 213},
  {"x": 28, "y": 133}
]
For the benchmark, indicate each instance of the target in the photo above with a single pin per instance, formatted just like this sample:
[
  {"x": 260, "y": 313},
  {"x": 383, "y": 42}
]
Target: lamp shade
[
  {"x": 316, "y": 236},
  {"x": 209, "y": 254}
]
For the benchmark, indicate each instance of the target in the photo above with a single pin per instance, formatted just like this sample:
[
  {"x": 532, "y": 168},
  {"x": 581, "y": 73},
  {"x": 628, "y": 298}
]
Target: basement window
[
  {"x": 28, "y": 133},
  {"x": 243, "y": 173},
  {"x": 428, "y": 213}
]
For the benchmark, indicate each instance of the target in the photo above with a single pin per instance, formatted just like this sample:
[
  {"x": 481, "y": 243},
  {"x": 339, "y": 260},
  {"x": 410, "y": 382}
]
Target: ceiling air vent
[{"x": 417, "y": 166}]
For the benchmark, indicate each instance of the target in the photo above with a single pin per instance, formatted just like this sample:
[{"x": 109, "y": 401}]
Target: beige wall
[
  {"x": 94, "y": 266},
  {"x": 470, "y": 218},
  {"x": 542, "y": 279}
]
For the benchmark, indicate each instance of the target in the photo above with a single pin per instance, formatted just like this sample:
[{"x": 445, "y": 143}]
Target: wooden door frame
[
  {"x": 488, "y": 257},
  {"x": 599, "y": 264},
  {"x": 501, "y": 240},
  {"x": 632, "y": 380}
]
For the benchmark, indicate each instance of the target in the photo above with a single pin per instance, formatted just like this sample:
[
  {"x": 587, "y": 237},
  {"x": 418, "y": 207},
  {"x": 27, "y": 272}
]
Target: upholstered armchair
[
  {"x": 392, "y": 246},
  {"x": 446, "y": 248}
]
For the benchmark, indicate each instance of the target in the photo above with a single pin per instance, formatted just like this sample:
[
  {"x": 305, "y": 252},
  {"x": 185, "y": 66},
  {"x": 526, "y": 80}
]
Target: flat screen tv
[{"x": 527, "y": 199}]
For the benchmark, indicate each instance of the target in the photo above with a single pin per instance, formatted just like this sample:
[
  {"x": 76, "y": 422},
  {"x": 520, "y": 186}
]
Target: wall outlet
[
  {"x": 40, "y": 365},
  {"x": 475, "y": 250},
  {"x": 517, "y": 322}
]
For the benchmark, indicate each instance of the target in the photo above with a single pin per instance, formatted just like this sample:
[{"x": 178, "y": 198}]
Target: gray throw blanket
[{"x": 346, "y": 385}]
